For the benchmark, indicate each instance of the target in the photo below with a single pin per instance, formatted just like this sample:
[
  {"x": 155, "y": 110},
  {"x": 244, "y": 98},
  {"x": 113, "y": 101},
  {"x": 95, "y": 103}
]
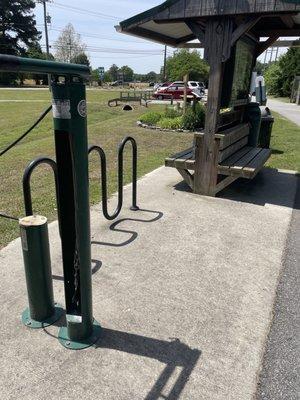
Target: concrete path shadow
[
  {"x": 114, "y": 227},
  {"x": 270, "y": 186},
  {"x": 173, "y": 354}
]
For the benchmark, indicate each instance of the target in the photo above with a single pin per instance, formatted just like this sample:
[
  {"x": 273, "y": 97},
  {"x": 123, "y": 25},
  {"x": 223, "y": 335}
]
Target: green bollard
[
  {"x": 70, "y": 124},
  {"x": 42, "y": 311}
]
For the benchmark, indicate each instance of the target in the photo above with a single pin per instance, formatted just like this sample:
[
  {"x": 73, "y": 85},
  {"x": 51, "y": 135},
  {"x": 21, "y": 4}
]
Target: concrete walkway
[
  {"x": 184, "y": 290},
  {"x": 288, "y": 110}
]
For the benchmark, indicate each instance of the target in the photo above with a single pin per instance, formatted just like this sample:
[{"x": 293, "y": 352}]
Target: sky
[
  {"x": 99, "y": 31},
  {"x": 104, "y": 45}
]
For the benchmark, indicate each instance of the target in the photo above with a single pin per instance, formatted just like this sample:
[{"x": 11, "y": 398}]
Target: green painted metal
[
  {"x": 79, "y": 344},
  {"x": 70, "y": 124},
  {"x": 19, "y": 64},
  {"x": 36, "y": 254},
  {"x": 33, "y": 324}
]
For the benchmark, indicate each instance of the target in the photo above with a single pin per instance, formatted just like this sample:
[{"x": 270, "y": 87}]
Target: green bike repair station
[{"x": 68, "y": 91}]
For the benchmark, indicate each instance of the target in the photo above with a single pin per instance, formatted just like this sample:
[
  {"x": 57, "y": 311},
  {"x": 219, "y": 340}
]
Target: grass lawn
[
  {"x": 106, "y": 127},
  {"x": 285, "y": 144},
  {"x": 283, "y": 99}
]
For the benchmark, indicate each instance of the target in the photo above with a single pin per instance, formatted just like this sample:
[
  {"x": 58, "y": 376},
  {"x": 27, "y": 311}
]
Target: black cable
[
  {"x": 42, "y": 116},
  {"x": 8, "y": 217}
]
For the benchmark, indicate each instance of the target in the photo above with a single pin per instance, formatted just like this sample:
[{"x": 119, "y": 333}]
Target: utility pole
[
  {"x": 165, "y": 64},
  {"x": 46, "y": 34}
]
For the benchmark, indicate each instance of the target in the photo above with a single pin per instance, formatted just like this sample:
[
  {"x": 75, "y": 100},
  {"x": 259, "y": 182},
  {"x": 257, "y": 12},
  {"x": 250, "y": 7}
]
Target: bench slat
[
  {"x": 235, "y": 157},
  {"x": 242, "y": 162},
  {"x": 252, "y": 168},
  {"x": 232, "y": 135},
  {"x": 233, "y": 149}
]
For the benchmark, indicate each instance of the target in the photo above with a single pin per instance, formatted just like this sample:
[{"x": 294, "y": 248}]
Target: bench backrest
[{"x": 231, "y": 140}]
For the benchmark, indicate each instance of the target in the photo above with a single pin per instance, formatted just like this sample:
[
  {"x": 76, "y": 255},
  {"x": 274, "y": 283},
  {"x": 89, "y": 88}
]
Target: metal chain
[{"x": 76, "y": 278}]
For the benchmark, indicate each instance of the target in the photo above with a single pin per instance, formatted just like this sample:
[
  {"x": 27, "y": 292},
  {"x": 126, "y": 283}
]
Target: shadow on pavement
[
  {"x": 114, "y": 227},
  {"x": 270, "y": 186},
  {"x": 173, "y": 354},
  {"x": 96, "y": 265}
]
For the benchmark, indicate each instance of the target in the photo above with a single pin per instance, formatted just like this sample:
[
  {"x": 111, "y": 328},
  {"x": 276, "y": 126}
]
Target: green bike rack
[{"x": 71, "y": 147}]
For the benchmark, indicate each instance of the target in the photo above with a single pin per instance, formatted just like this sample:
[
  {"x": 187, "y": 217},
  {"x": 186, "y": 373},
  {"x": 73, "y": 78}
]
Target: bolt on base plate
[
  {"x": 79, "y": 344},
  {"x": 134, "y": 208},
  {"x": 33, "y": 324}
]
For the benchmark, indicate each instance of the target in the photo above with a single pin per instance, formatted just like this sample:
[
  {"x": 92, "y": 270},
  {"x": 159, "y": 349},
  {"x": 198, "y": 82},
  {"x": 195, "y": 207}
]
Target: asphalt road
[
  {"x": 280, "y": 376},
  {"x": 288, "y": 110}
]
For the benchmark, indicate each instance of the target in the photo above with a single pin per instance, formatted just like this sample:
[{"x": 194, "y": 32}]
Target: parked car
[
  {"x": 175, "y": 91},
  {"x": 161, "y": 85},
  {"x": 196, "y": 84},
  {"x": 116, "y": 83}
]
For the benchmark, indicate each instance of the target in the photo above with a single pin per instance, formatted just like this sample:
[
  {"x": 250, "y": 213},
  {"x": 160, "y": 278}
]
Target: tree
[
  {"x": 280, "y": 75},
  {"x": 184, "y": 62},
  {"x": 113, "y": 72},
  {"x": 273, "y": 79},
  {"x": 17, "y": 30},
  {"x": 81, "y": 58},
  {"x": 289, "y": 64},
  {"x": 107, "y": 77},
  {"x": 127, "y": 73},
  {"x": 151, "y": 76},
  {"x": 68, "y": 45}
]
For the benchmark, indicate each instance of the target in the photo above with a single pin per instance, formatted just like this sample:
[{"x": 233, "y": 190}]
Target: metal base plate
[
  {"x": 33, "y": 324},
  {"x": 80, "y": 344}
]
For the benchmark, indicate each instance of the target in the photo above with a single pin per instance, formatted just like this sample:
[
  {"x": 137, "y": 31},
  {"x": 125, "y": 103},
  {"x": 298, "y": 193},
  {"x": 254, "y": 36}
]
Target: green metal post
[
  {"x": 69, "y": 114},
  {"x": 35, "y": 244},
  {"x": 70, "y": 124}
]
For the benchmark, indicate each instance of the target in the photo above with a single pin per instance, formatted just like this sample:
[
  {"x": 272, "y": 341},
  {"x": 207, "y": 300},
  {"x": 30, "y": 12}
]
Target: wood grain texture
[{"x": 207, "y": 8}]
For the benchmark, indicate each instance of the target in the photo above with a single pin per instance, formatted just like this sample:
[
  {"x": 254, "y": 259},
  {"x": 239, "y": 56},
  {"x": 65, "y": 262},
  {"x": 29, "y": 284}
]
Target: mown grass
[
  {"x": 285, "y": 144},
  {"x": 106, "y": 127}
]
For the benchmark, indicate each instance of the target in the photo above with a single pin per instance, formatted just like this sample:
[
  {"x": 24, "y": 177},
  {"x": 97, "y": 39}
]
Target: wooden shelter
[{"x": 231, "y": 32}]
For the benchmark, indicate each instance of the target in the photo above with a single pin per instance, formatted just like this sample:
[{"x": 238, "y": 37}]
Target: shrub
[
  {"x": 151, "y": 118},
  {"x": 194, "y": 117},
  {"x": 172, "y": 113},
  {"x": 170, "y": 123}
]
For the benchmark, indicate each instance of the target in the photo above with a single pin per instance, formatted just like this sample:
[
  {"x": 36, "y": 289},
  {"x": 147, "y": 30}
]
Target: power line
[
  {"x": 93, "y": 35},
  {"x": 83, "y": 11},
  {"x": 96, "y": 49}
]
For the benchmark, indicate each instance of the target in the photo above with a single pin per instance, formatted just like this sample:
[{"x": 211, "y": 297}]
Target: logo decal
[{"x": 82, "y": 111}]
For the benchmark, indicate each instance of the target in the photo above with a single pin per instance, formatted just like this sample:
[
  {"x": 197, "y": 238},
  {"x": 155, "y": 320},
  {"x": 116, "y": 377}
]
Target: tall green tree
[
  {"x": 113, "y": 72},
  {"x": 185, "y": 62},
  {"x": 281, "y": 74},
  {"x": 17, "y": 30},
  {"x": 81, "y": 58},
  {"x": 127, "y": 73}
]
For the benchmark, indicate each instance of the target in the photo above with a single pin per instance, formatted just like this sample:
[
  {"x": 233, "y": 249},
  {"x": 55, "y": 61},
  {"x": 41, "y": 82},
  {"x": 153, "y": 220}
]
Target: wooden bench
[{"x": 236, "y": 158}]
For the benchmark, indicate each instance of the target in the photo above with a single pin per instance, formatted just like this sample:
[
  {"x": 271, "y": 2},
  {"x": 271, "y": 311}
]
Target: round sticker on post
[{"x": 82, "y": 108}]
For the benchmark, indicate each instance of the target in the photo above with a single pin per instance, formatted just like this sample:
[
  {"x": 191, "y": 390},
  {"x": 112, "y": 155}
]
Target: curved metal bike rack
[
  {"x": 102, "y": 155},
  {"x": 26, "y": 181}
]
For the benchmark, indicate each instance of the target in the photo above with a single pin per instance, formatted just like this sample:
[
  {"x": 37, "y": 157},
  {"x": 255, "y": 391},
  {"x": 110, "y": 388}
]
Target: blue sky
[
  {"x": 108, "y": 38},
  {"x": 100, "y": 32}
]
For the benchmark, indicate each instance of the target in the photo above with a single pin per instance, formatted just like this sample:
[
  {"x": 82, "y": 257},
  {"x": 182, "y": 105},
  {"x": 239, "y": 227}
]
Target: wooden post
[
  {"x": 218, "y": 36},
  {"x": 185, "y": 80}
]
